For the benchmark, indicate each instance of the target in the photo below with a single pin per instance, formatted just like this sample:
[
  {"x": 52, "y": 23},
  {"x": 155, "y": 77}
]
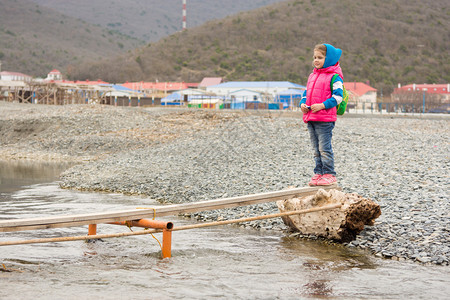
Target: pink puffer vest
[{"x": 318, "y": 90}]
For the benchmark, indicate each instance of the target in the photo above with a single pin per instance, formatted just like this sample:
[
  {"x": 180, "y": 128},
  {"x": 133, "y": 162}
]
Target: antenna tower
[{"x": 184, "y": 14}]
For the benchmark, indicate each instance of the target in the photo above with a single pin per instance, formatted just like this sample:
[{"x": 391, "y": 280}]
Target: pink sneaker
[
  {"x": 313, "y": 181},
  {"x": 326, "y": 179}
]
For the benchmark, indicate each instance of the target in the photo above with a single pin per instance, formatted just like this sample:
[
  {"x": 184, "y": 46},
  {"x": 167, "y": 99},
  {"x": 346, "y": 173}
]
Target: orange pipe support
[
  {"x": 146, "y": 224},
  {"x": 165, "y": 226},
  {"x": 167, "y": 243},
  {"x": 92, "y": 230}
]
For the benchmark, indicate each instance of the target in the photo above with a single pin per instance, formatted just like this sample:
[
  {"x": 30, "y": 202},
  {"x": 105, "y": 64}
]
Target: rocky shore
[{"x": 186, "y": 155}]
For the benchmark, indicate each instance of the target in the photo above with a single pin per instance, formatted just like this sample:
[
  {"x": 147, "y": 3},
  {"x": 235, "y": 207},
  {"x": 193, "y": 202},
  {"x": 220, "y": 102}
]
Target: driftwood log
[{"x": 340, "y": 224}]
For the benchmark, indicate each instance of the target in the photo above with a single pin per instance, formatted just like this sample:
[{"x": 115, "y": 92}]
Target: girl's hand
[
  {"x": 304, "y": 108},
  {"x": 317, "y": 107}
]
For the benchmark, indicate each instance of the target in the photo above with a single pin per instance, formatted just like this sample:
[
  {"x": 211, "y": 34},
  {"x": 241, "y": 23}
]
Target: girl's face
[{"x": 319, "y": 59}]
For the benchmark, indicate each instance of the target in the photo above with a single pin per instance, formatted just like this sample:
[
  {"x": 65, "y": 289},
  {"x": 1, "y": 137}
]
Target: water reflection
[
  {"x": 31, "y": 170},
  {"x": 324, "y": 253},
  {"x": 14, "y": 174},
  {"x": 318, "y": 288}
]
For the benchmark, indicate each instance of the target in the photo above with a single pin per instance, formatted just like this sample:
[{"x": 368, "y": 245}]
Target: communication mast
[{"x": 184, "y": 14}]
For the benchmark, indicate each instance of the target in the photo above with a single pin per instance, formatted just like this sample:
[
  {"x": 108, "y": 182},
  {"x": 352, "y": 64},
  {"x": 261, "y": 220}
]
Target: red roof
[
  {"x": 429, "y": 88},
  {"x": 358, "y": 88},
  {"x": 54, "y": 71},
  {"x": 160, "y": 86},
  {"x": 209, "y": 81},
  {"x": 6, "y": 73},
  {"x": 192, "y": 84},
  {"x": 86, "y": 82}
]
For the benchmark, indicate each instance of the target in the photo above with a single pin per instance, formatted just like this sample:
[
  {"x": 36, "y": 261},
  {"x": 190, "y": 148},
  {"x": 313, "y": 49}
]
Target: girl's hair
[{"x": 321, "y": 48}]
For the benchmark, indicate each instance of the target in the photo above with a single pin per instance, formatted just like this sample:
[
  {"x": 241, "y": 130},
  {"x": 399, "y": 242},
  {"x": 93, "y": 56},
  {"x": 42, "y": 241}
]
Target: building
[
  {"x": 423, "y": 97},
  {"x": 54, "y": 75},
  {"x": 15, "y": 76},
  {"x": 164, "y": 88},
  {"x": 245, "y": 95},
  {"x": 440, "y": 92},
  {"x": 184, "y": 95},
  {"x": 290, "y": 98},
  {"x": 360, "y": 94},
  {"x": 267, "y": 89},
  {"x": 14, "y": 86},
  {"x": 209, "y": 81}
]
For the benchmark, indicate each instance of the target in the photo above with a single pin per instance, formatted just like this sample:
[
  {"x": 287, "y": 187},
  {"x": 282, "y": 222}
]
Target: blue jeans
[{"x": 320, "y": 134}]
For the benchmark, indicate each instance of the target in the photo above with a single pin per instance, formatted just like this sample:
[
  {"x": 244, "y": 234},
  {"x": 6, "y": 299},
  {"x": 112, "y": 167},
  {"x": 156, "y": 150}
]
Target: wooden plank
[
  {"x": 185, "y": 227},
  {"x": 167, "y": 210}
]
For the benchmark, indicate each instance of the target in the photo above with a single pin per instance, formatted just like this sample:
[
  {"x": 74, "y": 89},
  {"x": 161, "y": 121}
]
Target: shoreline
[{"x": 187, "y": 155}]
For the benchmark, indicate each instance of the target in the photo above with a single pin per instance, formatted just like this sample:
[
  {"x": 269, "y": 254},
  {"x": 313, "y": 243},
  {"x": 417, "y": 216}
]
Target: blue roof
[
  {"x": 258, "y": 84},
  {"x": 172, "y": 97},
  {"x": 245, "y": 90},
  {"x": 292, "y": 92},
  {"x": 119, "y": 87}
]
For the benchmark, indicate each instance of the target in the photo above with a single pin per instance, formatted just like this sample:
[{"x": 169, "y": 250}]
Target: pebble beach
[{"x": 177, "y": 155}]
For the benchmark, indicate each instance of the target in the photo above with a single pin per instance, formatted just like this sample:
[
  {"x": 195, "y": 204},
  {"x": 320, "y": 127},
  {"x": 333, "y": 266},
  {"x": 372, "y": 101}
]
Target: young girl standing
[{"x": 319, "y": 110}]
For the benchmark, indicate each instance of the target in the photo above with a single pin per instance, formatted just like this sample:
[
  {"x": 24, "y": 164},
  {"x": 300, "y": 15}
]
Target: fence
[{"x": 403, "y": 108}]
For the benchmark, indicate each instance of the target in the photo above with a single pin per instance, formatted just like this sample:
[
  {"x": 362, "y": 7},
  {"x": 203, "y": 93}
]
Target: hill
[
  {"x": 385, "y": 42},
  {"x": 34, "y": 40},
  {"x": 150, "y": 20}
]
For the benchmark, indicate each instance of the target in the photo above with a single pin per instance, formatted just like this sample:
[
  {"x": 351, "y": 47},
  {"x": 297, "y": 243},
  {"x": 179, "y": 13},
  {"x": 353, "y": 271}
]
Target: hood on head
[{"x": 333, "y": 55}]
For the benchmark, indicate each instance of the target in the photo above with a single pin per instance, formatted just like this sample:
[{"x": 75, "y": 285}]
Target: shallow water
[{"x": 216, "y": 262}]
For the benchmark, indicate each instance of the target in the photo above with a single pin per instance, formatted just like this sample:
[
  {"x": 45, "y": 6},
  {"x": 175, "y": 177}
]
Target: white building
[
  {"x": 265, "y": 88},
  {"x": 245, "y": 95},
  {"x": 360, "y": 93},
  {"x": 54, "y": 75},
  {"x": 14, "y": 76}
]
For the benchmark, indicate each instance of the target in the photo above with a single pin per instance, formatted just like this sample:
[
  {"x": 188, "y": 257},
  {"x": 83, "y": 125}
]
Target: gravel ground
[{"x": 177, "y": 155}]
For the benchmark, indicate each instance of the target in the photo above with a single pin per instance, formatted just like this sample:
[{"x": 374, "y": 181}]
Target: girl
[{"x": 319, "y": 110}]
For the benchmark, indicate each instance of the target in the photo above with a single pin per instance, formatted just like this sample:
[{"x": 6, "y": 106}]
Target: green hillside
[
  {"x": 150, "y": 20},
  {"x": 385, "y": 42},
  {"x": 34, "y": 40}
]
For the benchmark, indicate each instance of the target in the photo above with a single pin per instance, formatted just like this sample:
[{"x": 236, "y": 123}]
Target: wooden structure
[
  {"x": 38, "y": 92},
  {"x": 136, "y": 217},
  {"x": 11, "y": 90},
  {"x": 63, "y": 93}
]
